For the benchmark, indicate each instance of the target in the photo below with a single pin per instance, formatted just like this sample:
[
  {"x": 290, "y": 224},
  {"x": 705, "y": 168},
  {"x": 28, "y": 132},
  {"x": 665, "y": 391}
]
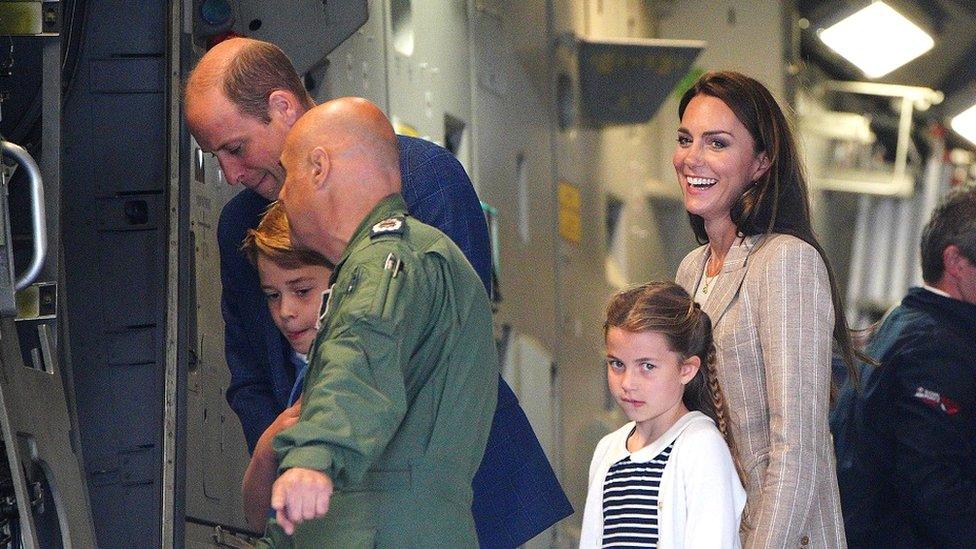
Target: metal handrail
[{"x": 37, "y": 211}]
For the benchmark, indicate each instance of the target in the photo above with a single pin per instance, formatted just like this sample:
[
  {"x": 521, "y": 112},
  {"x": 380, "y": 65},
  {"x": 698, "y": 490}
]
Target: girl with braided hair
[{"x": 667, "y": 478}]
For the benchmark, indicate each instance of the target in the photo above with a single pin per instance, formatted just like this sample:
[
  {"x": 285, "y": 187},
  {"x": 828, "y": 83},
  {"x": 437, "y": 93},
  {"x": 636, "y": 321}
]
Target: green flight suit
[{"x": 400, "y": 392}]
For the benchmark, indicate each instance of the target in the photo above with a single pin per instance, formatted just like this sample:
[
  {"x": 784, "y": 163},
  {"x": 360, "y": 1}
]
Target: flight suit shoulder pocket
[{"x": 387, "y": 289}]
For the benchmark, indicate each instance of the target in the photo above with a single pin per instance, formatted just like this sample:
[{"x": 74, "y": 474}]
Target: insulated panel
[
  {"x": 114, "y": 154},
  {"x": 117, "y": 143},
  {"x": 216, "y": 454},
  {"x": 358, "y": 66},
  {"x": 512, "y": 170},
  {"x": 429, "y": 72},
  {"x": 611, "y": 168}
]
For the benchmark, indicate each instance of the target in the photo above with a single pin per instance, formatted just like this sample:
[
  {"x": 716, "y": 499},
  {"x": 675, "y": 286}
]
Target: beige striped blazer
[{"x": 772, "y": 320}]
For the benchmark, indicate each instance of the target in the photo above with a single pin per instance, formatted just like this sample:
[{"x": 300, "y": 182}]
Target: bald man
[
  {"x": 241, "y": 99},
  {"x": 400, "y": 391}
]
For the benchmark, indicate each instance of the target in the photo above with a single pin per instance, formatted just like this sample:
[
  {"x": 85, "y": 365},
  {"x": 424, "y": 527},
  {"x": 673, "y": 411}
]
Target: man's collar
[
  {"x": 949, "y": 309},
  {"x": 390, "y": 206},
  {"x": 936, "y": 291}
]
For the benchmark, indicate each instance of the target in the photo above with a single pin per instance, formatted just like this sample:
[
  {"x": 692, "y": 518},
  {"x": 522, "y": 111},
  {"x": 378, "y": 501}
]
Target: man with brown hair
[
  {"x": 516, "y": 494},
  {"x": 906, "y": 441}
]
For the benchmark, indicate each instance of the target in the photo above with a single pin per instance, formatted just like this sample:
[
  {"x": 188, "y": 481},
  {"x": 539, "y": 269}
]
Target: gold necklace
[{"x": 707, "y": 280}]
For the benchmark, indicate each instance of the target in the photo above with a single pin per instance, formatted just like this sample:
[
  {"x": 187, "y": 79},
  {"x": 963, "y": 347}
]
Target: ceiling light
[
  {"x": 877, "y": 39},
  {"x": 964, "y": 123}
]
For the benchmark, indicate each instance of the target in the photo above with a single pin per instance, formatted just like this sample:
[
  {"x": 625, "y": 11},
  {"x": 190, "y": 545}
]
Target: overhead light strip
[
  {"x": 964, "y": 124},
  {"x": 877, "y": 39}
]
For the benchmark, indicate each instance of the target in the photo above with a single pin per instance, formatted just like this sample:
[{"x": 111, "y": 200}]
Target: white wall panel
[
  {"x": 358, "y": 66},
  {"x": 429, "y": 80}
]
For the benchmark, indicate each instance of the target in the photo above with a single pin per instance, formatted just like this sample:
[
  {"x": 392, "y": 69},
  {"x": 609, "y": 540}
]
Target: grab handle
[{"x": 37, "y": 211}]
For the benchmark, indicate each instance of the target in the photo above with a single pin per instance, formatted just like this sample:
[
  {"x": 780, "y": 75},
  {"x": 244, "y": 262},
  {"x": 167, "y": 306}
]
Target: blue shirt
[{"x": 300, "y": 363}]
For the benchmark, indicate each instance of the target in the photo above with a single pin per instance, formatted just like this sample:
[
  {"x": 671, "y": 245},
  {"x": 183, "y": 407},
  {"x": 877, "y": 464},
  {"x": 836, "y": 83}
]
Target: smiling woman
[
  {"x": 715, "y": 160},
  {"x": 763, "y": 279}
]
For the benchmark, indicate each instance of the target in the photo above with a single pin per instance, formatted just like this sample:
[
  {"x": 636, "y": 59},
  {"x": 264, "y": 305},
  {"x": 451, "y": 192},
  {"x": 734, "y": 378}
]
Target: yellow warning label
[{"x": 570, "y": 226}]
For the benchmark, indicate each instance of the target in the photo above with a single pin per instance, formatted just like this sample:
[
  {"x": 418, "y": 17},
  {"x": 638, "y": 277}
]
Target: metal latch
[{"x": 226, "y": 538}]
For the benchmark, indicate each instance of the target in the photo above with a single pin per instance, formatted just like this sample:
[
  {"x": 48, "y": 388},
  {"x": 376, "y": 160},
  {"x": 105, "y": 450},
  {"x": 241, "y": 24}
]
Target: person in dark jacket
[
  {"x": 240, "y": 101},
  {"x": 906, "y": 443}
]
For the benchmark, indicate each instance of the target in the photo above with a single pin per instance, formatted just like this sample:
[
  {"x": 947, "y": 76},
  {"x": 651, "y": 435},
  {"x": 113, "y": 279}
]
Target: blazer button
[{"x": 804, "y": 541}]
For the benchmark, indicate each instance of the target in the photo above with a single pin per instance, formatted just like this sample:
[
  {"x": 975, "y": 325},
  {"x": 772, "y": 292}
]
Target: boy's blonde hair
[{"x": 272, "y": 240}]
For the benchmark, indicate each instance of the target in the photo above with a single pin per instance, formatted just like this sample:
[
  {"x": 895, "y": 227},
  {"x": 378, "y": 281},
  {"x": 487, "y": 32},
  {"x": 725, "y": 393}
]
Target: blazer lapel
[
  {"x": 694, "y": 270},
  {"x": 727, "y": 285}
]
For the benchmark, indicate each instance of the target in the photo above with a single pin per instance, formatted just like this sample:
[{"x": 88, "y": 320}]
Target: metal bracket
[
  {"x": 44, "y": 440},
  {"x": 625, "y": 81},
  {"x": 30, "y": 18},
  {"x": 39, "y": 301},
  {"x": 897, "y": 182},
  {"x": 226, "y": 538}
]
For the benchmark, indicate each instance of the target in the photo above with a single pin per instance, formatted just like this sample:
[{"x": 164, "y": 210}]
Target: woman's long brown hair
[{"x": 778, "y": 201}]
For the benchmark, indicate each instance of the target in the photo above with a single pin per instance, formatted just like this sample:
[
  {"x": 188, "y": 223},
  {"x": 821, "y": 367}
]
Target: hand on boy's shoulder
[
  {"x": 300, "y": 494},
  {"x": 285, "y": 419},
  {"x": 263, "y": 450}
]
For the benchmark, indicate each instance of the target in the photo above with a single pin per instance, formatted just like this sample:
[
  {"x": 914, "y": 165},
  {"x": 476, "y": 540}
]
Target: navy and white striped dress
[{"x": 630, "y": 494}]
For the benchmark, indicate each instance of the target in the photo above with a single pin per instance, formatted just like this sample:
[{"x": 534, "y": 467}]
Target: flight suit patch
[
  {"x": 391, "y": 225},
  {"x": 933, "y": 399}
]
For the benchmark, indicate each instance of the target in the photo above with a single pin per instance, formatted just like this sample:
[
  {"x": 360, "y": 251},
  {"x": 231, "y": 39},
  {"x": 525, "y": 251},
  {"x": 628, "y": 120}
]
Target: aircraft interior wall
[
  {"x": 436, "y": 68},
  {"x": 577, "y": 209}
]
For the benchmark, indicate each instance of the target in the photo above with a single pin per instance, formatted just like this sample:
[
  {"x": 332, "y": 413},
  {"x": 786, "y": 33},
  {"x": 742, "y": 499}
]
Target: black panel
[
  {"x": 124, "y": 127},
  {"x": 114, "y": 217}
]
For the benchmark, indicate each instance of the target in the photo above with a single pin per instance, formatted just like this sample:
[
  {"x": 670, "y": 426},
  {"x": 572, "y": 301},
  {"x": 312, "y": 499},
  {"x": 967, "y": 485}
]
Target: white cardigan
[{"x": 701, "y": 499}]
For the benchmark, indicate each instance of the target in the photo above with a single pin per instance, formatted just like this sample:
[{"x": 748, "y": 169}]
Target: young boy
[{"x": 293, "y": 281}]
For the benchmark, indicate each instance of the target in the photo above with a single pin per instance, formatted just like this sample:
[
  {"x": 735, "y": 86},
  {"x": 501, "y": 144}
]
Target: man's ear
[
  {"x": 320, "y": 166},
  {"x": 689, "y": 369},
  {"x": 284, "y": 106},
  {"x": 952, "y": 260}
]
